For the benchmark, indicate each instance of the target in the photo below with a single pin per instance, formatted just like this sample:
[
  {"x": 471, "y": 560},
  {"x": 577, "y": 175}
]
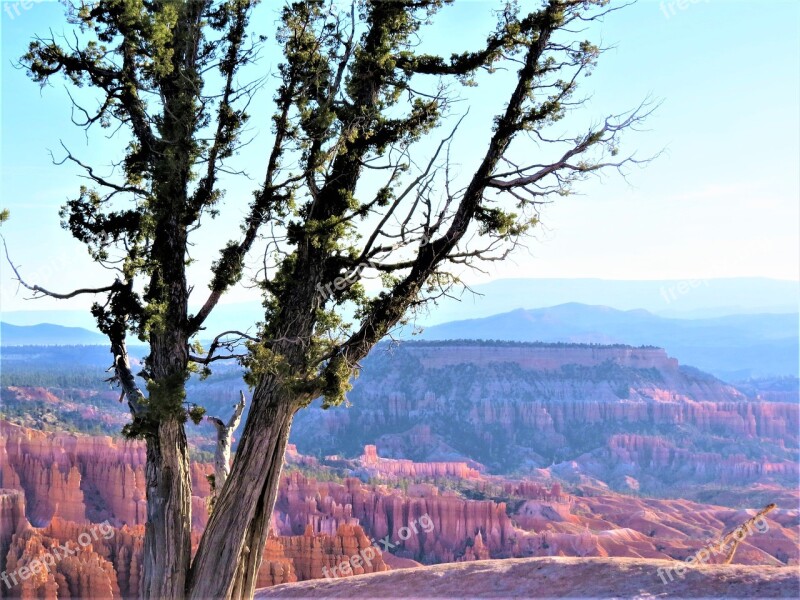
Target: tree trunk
[
  {"x": 167, "y": 540},
  {"x": 167, "y": 544},
  {"x": 243, "y": 510}
]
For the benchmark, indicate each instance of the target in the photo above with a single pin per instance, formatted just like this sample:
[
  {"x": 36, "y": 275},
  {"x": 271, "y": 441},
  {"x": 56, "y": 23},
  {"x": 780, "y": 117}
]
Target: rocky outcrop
[
  {"x": 506, "y": 409},
  {"x": 532, "y": 490},
  {"x": 34, "y": 462},
  {"x": 316, "y": 555},
  {"x": 423, "y": 525},
  {"x": 548, "y": 523},
  {"x": 79, "y": 478},
  {"x": 276, "y": 567},
  {"x": 12, "y": 520},
  {"x": 120, "y": 546},
  {"x": 637, "y": 454},
  {"x": 74, "y": 564},
  {"x": 84, "y": 560},
  {"x": 293, "y": 457},
  {"x": 82, "y": 478},
  {"x": 388, "y": 468},
  {"x": 477, "y": 550}
]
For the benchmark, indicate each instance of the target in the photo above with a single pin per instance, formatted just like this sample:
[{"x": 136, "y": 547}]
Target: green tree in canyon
[{"x": 361, "y": 218}]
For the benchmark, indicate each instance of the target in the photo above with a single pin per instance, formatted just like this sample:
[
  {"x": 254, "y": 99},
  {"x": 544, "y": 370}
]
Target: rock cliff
[
  {"x": 437, "y": 430},
  {"x": 574, "y": 409}
]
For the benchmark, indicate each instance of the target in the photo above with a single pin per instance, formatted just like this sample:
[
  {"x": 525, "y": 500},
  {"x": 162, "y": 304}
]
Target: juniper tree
[
  {"x": 362, "y": 99},
  {"x": 164, "y": 77},
  {"x": 353, "y": 191}
]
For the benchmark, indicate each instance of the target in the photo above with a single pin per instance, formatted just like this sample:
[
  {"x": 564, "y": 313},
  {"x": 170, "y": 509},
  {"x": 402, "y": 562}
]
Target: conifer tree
[{"x": 357, "y": 186}]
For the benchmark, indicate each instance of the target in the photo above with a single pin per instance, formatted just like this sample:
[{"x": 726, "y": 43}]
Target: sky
[{"x": 722, "y": 200}]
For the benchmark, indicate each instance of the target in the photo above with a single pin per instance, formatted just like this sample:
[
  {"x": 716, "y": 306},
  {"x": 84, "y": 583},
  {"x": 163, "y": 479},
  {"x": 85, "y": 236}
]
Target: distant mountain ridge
[
  {"x": 684, "y": 298},
  {"x": 732, "y": 347},
  {"x": 47, "y": 334}
]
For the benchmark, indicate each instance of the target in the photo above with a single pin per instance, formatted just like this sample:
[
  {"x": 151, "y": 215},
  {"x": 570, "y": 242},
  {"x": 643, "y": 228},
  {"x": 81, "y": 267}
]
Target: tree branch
[
  {"x": 222, "y": 452},
  {"x": 44, "y": 292}
]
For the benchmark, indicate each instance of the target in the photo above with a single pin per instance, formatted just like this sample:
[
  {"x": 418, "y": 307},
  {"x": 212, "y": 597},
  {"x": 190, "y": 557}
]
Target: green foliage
[
  {"x": 505, "y": 224},
  {"x": 320, "y": 473},
  {"x": 122, "y": 311},
  {"x": 166, "y": 396},
  {"x": 228, "y": 268},
  {"x": 98, "y": 229},
  {"x": 336, "y": 382},
  {"x": 354, "y": 95},
  {"x": 262, "y": 362},
  {"x": 140, "y": 427},
  {"x": 196, "y": 413},
  {"x": 146, "y": 68}
]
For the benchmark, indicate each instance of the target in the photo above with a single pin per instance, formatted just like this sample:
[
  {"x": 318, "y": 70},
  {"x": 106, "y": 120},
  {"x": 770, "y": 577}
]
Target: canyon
[
  {"x": 629, "y": 418},
  {"x": 58, "y": 486},
  {"x": 503, "y": 450}
]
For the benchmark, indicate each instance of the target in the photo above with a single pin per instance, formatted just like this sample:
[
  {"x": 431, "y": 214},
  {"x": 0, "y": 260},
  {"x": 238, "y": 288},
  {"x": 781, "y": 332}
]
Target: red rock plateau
[
  {"x": 387, "y": 468},
  {"x": 60, "y": 486}
]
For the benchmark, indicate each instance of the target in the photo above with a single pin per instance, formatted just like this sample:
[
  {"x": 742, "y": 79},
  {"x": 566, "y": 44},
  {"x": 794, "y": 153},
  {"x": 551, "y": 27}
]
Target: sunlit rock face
[{"x": 319, "y": 524}]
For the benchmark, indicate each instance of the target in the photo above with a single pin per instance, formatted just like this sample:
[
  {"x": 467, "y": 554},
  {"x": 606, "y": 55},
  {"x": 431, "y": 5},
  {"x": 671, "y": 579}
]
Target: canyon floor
[{"x": 553, "y": 577}]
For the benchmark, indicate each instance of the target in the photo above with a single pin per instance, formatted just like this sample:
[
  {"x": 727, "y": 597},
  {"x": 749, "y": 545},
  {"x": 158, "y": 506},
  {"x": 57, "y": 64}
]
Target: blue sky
[{"x": 722, "y": 201}]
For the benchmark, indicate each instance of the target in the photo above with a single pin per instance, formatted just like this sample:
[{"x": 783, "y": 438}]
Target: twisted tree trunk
[
  {"x": 252, "y": 487},
  {"x": 167, "y": 543}
]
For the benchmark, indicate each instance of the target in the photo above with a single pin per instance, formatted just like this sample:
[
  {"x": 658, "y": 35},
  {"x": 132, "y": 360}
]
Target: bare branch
[
  {"x": 222, "y": 452},
  {"x": 96, "y": 178},
  {"x": 230, "y": 345},
  {"x": 42, "y": 292}
]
